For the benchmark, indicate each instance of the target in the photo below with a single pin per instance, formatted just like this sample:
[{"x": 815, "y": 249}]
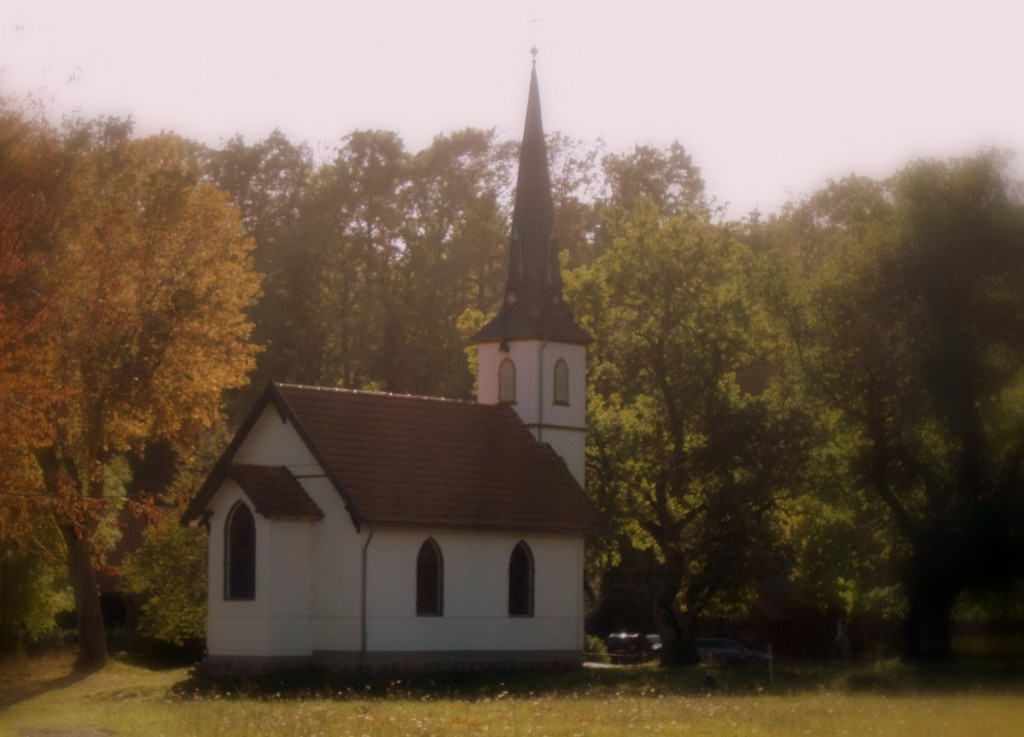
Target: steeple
[{"x": 533, "y": 307}]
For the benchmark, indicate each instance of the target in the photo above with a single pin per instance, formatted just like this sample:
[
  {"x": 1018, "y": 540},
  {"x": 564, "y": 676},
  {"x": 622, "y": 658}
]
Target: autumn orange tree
[
  {"x": 126, "y": 325},
  {"x": 28, "y": 156}
]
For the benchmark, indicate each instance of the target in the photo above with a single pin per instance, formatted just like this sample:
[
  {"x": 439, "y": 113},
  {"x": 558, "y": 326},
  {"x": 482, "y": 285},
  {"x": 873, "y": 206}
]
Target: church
[{"x": 368, "y": 532}]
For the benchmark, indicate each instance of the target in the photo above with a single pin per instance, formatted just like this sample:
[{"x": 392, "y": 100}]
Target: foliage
[
  {"x": 668, "y": 178},
  {"x": 595, "y": 650},
  {"x": 907, "y": 315},
  {"x": 168, "y": 574},
  {"x": 690, "y": 448},
  {"x": 128, "y": 323},
  {"x": 33, "y": 590}
]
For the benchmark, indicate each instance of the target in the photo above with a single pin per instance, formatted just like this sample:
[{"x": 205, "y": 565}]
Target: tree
[
  {"x": 577, "y": 187},
  {"x": 267, "y": 182},
  {"x": 454, "y": 236},
  {"x": 168, "y": 575},
  {"x": 689, "y": 450},
  {"x": 139, "y": 284},
  {"x": 668, "y": 178},
  {"x": 909, "y": 329},
  {"x": 335, "y": 280},
  {"x": 32, "y": 588}
]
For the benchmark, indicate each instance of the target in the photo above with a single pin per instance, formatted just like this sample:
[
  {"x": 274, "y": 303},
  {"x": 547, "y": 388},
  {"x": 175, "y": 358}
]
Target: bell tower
[{"x": 533, "y": 354}]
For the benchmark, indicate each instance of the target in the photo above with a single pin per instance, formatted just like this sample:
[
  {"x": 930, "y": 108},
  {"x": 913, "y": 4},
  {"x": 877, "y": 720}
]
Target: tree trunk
[
  {"x": 92, "y": 637},
  {"x": 677, "y": 631},
  {"x": 927, "y": 629}
]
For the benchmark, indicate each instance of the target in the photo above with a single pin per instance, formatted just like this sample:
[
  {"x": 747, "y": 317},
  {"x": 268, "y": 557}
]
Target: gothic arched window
[
  {"x": 429, "y": 580},
  {"x": 520, "y": 581},
  {"x": 507, "y": 382},
  {"x": 561, "y": 382},
  {"x": 240, "y": 554}
]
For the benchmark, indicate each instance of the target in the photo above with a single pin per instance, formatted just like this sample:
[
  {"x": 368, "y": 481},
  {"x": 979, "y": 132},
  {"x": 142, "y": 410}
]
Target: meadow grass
[{"x": 44, "y": 698}]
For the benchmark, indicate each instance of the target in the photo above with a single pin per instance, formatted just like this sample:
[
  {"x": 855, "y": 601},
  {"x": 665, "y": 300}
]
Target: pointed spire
[{"x": 533, "y": 305}]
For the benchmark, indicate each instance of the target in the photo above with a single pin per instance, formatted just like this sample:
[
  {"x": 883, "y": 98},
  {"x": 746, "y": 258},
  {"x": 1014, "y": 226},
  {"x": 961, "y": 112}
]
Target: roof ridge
[{"x": 374, "y": 393}]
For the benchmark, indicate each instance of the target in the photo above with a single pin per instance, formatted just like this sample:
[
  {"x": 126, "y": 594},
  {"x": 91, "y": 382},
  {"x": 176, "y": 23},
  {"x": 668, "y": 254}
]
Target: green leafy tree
[
  {"x": 908, "y": 324},
  {"x": 668, "y": 178},
  {"x": 334, "y": 288},
  {"x": 453, "y": 259},
  {"x": 33, "y": 587},
  {"x": 689, "y": 450},
  {"x": 578, "y": 188},
  {"x": 168, "y": 575}
]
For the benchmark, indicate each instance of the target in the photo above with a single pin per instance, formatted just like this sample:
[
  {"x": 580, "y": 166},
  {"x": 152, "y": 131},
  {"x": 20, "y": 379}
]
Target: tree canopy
[
  {"x": 128, "y": 323},
  {"x": 908, "y": 320},
  {"x": 689, "y": 444}
]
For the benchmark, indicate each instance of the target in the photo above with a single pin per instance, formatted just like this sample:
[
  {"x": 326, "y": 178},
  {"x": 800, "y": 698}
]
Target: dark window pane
[
  {"x": 429, "y": 580},
  {"x": 240, "y": 554},
  {"x": 520, "y": 582}
]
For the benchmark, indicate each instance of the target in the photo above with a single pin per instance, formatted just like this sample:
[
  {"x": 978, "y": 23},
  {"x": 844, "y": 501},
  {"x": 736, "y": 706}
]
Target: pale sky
[{"x": 770, "y": 98}]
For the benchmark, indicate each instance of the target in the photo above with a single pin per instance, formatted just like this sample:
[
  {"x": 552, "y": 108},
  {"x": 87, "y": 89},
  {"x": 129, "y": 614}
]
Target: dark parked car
[
  {"x": 631, "y": 647},
  {"x": 722, "y": 650}
]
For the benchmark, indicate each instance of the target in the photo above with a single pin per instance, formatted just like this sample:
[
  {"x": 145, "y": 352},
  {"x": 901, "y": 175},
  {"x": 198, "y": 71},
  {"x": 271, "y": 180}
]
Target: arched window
[
  {"x": 507, "y": 382},
  {"x": 520, "y": 581},
  {"x": 240, "y": 554},
  {"x": 561, "y": 382},
  {"x": 429, "y": 580}
]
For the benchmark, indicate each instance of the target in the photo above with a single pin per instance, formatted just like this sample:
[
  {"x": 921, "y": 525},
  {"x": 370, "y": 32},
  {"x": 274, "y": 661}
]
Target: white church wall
[
  {"x": 289, "y": 586},
  {"x": 475, "y": 616},
  {"x": 274, "y": 442},
  {"x": 337, "y": 571},
  {"x": 277, "y": 620},
  {"x": 235, "y": 627},
  {"x": 570, "y": 445}
]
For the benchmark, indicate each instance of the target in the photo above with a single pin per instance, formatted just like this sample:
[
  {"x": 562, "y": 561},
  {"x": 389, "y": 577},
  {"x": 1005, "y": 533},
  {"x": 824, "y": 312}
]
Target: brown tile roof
[
  {"x": 401, "y": 460},
  {"x": 275, "y": 492}
]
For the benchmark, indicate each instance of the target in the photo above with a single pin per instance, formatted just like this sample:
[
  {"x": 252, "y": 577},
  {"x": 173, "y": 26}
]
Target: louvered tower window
[{"x": 507, "y": 382}]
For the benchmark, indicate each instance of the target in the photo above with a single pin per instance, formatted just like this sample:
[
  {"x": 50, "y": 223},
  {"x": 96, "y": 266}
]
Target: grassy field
[{"x": 41, "y": 698}]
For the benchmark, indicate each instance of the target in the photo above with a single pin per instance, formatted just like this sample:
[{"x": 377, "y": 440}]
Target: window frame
[
  {"x": 429, "y": 604},
  {"x": 507, "y": 381},
  {"x": 560, "y": 388},
  {"x": 521, "y": 581},
  {"x": 240, "y": 554}
]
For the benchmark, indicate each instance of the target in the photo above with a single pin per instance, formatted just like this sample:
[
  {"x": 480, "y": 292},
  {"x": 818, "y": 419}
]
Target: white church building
[{"x": 362, "y": 531}]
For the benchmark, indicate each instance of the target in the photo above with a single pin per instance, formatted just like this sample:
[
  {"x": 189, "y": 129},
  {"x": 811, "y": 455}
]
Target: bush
[
  {"x": 168, "y": 575},
  {"x": 595, "y": 649}
]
